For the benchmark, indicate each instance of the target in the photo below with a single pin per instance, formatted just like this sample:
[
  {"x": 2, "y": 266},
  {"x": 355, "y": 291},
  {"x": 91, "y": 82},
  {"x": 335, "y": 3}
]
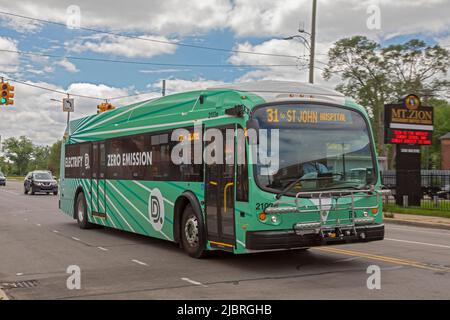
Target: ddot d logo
[{"x": 156, "y": 209}]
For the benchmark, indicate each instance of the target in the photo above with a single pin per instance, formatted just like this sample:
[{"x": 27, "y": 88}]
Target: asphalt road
[{"x": 38, "y": 243}]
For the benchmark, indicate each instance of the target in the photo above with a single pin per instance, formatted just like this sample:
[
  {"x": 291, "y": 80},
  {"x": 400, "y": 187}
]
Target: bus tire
[
  {"x": 192, "y": 233},
  {"x": 81, "y": 212}
]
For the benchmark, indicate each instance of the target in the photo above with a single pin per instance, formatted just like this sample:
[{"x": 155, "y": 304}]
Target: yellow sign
[
  {"x": 412, "y": 102},
  {"x": 275, "y": 115}
]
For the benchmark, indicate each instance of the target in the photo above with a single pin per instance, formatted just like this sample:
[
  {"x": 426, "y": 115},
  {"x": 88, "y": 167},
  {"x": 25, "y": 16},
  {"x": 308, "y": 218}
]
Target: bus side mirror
[{"x": 252, "y": 131}]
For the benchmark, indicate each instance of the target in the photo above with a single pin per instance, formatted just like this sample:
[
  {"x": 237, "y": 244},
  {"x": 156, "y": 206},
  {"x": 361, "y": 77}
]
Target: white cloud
[
  {"x": 9, "y": 61},
  {"x": 36, "y": 116},
  {"x": 67, "y": 65},
  {"x": 107, "y": 44},
  {"x": 181, "y": 85},
  {"x": 299, "y": 71},
  {"x": 163, "y": 70},
  {"x": 148, "y": 16},
  {"x": 18, "y": 24}
]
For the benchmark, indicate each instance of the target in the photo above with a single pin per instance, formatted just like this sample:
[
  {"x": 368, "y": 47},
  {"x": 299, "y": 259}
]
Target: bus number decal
[
  {"x": 263, "y": 205},
  {"x": 213, "y": 114}
]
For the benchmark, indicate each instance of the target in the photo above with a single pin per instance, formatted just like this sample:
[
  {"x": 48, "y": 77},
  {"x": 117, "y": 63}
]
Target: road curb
[
  {"x": 3, "y": 295},
  {"x": 417, "y": 223}
]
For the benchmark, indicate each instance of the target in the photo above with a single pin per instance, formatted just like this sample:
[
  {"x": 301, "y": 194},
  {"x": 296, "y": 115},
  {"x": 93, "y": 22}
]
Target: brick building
[{"x": 445, "y": 151}]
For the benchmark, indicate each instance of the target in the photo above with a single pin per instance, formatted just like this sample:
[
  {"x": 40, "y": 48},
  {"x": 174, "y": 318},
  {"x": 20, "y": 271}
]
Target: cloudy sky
[{"x": 239, "y": 25}]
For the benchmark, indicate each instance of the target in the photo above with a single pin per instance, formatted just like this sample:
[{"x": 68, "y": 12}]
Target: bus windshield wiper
[{"x": 292, "y": 184}]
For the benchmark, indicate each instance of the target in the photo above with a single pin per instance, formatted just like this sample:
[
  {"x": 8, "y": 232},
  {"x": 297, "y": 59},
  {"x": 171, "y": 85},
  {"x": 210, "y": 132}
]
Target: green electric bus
[{"x": 321, "y": 187}]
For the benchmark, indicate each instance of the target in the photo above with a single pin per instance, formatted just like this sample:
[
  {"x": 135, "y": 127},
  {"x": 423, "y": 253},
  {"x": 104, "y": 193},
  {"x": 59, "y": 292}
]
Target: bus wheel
[
  {"x": 81, "y": 212},
  {"x": 192, "y": 235}
]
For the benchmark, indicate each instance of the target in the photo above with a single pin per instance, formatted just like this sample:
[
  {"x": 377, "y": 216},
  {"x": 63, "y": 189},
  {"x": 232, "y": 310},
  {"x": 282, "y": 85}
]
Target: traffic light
[
  {"x": 104, "y": 106},
  {"x": 7, "y": 94}
]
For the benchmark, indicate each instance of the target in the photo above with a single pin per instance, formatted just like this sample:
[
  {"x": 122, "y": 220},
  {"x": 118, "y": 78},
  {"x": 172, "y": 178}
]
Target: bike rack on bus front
[{"x": 331, "y": 204}]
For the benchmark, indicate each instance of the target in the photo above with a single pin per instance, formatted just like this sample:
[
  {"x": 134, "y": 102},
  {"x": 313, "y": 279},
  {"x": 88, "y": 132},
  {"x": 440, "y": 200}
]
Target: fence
[{"x": 435, "y": 187}]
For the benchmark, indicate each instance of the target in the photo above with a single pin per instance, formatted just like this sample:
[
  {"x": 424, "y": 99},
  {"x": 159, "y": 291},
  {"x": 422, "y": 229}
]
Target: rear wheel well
[{"x": 79, "y": 190}]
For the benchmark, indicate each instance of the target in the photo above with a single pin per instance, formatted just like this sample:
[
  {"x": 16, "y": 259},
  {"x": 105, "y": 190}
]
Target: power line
[
  {"x": 146, "y": 63},
  {"x": 52, "y": 90},
  {"x": 181, "y": 44}
]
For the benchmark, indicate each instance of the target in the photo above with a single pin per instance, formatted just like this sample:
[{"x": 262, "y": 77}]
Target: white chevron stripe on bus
[
  {"x": 135, "y": 208},
  {"x": 118, "y": 212},
  {"x": 150, "y": 190},
  {"x": 110, "y": 118},
  {"x": 88, "y": 134},
  {"x": 103, "y": 206}
]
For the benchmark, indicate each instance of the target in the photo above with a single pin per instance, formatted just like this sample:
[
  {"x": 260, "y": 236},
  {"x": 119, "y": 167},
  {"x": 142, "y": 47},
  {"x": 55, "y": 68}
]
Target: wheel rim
[
  {"x": 80, "y": 210},
  {"x": 191, "y": 231}
]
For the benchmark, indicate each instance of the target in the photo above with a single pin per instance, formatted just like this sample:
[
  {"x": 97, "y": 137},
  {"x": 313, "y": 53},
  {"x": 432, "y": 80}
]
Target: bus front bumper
[{"x": 289, "y": 239}]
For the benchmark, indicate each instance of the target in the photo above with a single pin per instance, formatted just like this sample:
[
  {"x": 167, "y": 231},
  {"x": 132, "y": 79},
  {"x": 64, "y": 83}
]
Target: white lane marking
[
  {"x": 55, "y": 231},
  {"x": 25, "y": 219},
  {"x": 443, "y": 232},
  {"x": 38, "y": 224},
  {"x": 13, "y": 193},
  {"x": 347, "y": 259},
  {"x": 422, "y": 243},
  {"x": 76, "y": 239},
  {"x": 391, "y": 268},
  {"x": 194, "y": 282},
  {"x": 19, "y": 274},
  {"x": 139, "y": 262},
  {"x": 103, "y": 249}
]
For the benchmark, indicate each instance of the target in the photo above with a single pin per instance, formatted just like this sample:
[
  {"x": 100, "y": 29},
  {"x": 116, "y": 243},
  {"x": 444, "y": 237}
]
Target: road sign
[{"x": 68, "y": 105}]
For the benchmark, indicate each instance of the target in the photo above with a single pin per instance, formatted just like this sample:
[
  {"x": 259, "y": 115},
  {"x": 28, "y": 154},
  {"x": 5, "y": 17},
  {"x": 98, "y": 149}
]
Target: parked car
[
  {"x": 444, "y": 192},
  {"x": 40, "y": 181},
  {"x": 2, "y": 179}
]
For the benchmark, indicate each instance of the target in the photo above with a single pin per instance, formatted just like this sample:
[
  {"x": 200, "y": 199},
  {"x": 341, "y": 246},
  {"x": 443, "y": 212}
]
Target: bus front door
[
  {"x": 98, "y": 183},
  {"x": 219, "y": 198}
]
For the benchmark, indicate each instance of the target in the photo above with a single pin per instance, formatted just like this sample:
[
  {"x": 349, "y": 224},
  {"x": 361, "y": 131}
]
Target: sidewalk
[{"x": 419, "y": 221}]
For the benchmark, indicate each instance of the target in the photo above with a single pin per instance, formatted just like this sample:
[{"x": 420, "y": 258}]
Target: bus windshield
[{"x": 320, "y": 148}]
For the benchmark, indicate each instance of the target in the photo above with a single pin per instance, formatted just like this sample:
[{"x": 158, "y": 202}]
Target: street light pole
[
  {"x": 68, "y": 119},
  {"x": 313, "y": 42}
]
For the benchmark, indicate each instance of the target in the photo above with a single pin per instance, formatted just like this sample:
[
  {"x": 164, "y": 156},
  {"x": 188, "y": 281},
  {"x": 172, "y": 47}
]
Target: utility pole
[
  {"x": 163, "y": 89},
  {"x": 313, "y": 42}
]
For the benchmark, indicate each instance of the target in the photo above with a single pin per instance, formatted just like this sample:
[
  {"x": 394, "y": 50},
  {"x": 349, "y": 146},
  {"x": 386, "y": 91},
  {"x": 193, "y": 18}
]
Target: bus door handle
[{"x": 229, "y": 184}]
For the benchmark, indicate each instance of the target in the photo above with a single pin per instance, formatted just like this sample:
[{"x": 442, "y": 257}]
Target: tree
[
  {"x": 441, "y": 127},
  {"x": 40, "y": 158},
  {"x": 20, "y": 152},
  {"x": 54, "y": 157},
  {"x": 374, "y": 75}
]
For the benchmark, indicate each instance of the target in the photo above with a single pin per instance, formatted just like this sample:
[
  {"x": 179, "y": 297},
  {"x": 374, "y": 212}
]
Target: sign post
[
  {"x": 68, "y": 106},
  {"x": 408, "y": 125}
]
